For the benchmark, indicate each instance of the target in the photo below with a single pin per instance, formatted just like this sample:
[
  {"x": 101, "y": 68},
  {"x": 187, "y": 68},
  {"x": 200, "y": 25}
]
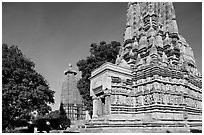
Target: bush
[
  {"x": 21, "y": 123},
  {"x": 41, "y": 125},
  {"x": 65, "y": 122},
  {"x": 56, "y": 122}
]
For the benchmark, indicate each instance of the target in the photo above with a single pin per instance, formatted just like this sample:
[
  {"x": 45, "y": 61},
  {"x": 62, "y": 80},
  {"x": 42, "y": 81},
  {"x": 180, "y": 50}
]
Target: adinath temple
[
  {"x": 70, "y": 96},
  {"x": 154, "y": 85}
]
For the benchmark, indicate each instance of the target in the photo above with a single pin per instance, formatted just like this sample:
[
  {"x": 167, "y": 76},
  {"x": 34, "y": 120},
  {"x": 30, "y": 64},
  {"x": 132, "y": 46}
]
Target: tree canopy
[
  {"x": 99, "y": 54},
  {"x": 56, "y": 118},
  {"x": 23, "y": 88}
]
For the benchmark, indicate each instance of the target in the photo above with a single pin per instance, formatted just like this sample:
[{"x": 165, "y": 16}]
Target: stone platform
[
  {"x": 130, "y": 123},
  {"x": 135, "y": 130}
]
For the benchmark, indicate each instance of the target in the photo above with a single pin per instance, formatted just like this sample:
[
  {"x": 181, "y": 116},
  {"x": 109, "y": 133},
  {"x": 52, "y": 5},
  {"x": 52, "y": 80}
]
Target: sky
[{"x": 53, "y": 35}]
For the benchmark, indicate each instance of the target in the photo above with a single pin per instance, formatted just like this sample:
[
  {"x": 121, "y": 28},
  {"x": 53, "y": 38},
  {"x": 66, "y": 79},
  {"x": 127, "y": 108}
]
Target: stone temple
[
  {"x": 70, "y": 96},
  {"x": 154, "y": 85}
]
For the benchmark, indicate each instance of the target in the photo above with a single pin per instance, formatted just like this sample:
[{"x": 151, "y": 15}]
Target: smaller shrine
[{"x": 70, "y": 96}]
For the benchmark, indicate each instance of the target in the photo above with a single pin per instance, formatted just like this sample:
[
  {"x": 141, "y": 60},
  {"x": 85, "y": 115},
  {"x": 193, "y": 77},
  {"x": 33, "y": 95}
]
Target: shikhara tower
[
  {"x": 70, "y": 96},
  {"x": 155, "y": 82},
  {"x": 152, "y": 33}
]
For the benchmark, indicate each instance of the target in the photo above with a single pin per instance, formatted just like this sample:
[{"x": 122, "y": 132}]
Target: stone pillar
[
  {"x": 108, "y": 104},
  {"x": 99, "y": 106},
  {"x": 103, "y": 106},
  {"x": 107, "y": 107},
  {"x": 95, "y": 106}
]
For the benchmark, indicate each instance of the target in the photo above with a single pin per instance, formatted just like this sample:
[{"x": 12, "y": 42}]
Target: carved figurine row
[
  {"x": 162, "y": 87},
  {"x": 177, "y": 86},
  {"x": 158, "y": 98},
  {"x": 166, "y": 80},
  {"x": 123, "y": 82},
  {"x": 148, "y": 79},
  {"x": 174, "y": 76}
]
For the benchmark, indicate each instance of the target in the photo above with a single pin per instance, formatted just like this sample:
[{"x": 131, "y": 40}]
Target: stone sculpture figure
[{"x": 164, "y": 59}]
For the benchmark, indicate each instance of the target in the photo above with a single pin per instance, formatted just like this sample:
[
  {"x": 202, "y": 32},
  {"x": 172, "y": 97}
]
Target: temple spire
[
  {"x": 149, "y": 14},
  {"x": 153, "y": 23}
]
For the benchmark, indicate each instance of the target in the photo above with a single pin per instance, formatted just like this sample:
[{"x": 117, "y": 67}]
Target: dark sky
[{"x": 56, "y": 34}]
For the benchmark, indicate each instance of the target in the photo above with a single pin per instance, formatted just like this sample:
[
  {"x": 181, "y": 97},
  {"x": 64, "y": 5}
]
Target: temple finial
[{"x": 70, "y": 66}]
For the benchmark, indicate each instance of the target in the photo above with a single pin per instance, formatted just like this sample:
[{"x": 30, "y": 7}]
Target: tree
[
  {"x": 23, "y": 89},
  {"x": 99, "y": 54},
  {"x": 62, "y": 111},
  {"x": 65, "y": 122}
]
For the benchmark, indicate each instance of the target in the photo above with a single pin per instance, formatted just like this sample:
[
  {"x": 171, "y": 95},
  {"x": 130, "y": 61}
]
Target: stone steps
[
  {"x": 76, "y": 126},
  {"x": 136, "y": 130},
  {"x": 135, "y": 126}
]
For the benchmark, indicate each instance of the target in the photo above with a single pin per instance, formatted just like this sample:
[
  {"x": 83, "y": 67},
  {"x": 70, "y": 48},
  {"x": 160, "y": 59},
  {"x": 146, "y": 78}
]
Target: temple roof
[{"x": 154, "y": 23}]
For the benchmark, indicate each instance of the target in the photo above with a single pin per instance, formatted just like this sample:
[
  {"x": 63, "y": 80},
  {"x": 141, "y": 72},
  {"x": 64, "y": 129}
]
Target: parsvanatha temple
[{"x": 154, "y": 85}]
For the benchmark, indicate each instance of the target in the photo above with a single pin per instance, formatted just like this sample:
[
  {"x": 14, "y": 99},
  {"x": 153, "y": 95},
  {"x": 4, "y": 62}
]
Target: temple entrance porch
[{"x": 101, "y": 105}]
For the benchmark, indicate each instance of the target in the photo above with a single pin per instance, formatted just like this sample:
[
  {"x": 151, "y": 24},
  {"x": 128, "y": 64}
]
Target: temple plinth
[{"x": 154, "y": 86}]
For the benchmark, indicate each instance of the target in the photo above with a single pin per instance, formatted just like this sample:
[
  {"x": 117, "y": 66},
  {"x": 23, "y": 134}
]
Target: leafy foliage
[
  {"x": 53, "y": 115},
  {"x": 56, "y": 118},
  {"x": 99, "y": 54},
  {"x": 64, "y": 121},
  {"x": 62, "y": 111},
  {"x": 23, "y": 89}
]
